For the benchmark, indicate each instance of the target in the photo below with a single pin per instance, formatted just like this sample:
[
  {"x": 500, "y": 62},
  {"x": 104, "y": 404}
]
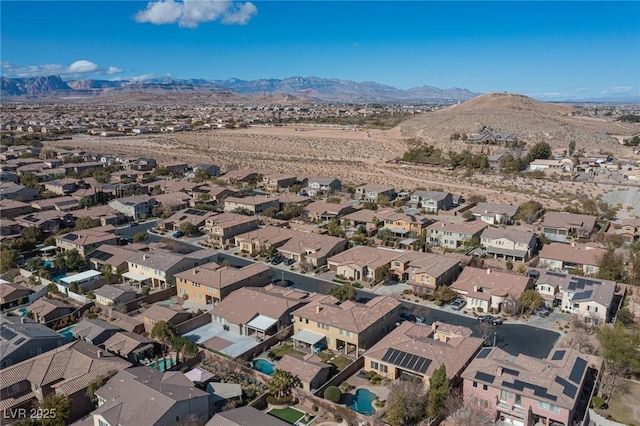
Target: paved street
[{"x": 514, "y": 338}]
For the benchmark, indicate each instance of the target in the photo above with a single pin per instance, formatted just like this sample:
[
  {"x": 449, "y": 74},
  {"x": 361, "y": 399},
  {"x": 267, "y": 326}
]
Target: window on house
[
  {"x": 485, "y": 387},
  {"x": 102, "y": 423},
  {"x": 503, "y": 395},
  {"x": 374, "y": 365},
  {"x": 518, "y": 400},
  {"x": 384, "y": 368},
  {"x": 475, "y": 384}
]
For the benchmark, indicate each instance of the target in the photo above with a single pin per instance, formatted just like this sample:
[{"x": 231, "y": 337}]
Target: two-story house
[
  {"x": 255, "y": 204},
  {"x": 487, "y": 290},
  {"x": 494, "y": 213},
  {"x": 135, "y": 206},
  {"x": 565, "y": 257},
  {"x": 372, "y": 192},
  {"x": 454, "y": 235},
  {"x": 209, "y": 284},
  {"x": 22, "y": 338},
  {"x": 312, "y": 248},
  {"x": 406, "y": 225},
  {"x": 223, "y": 227},
  {"x": 525, "y": 390},
  {"x": 349, "y": 327},
  {"x": 87, "y": 240},
  {"x": 509, "y": 244},
  {"x": 320, "y": 184},
  {"x": 158, "y": 267},
  {"x": 415, "y": 351},
  {"x": 277, "y": 181},
  {"x": 431, "y": 201},
  {"x": 561, "y": 226}
]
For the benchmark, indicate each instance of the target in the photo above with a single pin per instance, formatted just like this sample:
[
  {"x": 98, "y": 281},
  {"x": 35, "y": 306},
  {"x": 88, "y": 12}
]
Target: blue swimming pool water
[
  {"x": 48, "y": 264},
  {"x": 23, "y": 312},
  {"x": 66, "y": 333},
  {"x": 164, "y": 364},
  {"x": 264, "y": 366},
  {"x": 362, "y": 402}
]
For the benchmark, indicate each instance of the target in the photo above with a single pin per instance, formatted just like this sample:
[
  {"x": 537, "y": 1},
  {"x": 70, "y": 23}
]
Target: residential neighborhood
[{"x": 181, "y": 294}]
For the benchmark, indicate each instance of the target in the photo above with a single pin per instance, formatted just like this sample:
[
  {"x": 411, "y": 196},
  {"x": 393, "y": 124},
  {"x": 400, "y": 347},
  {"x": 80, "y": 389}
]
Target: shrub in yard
[
  {"x": 598, "y": 401},
  {"x": 332, "y": 393},
  {"x": 314, "y": 408}
]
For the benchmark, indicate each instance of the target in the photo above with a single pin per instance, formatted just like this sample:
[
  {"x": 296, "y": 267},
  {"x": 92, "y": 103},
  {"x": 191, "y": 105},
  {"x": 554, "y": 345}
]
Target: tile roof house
[
  {"x": 277, "y": 181},
  {"x": 370, "y": 219},
  {"x": 320, "y": 210},
  {"x": 49, "y": 310},
  {"x": 12, "y": 208},
  {"x": 195, "y": 217},
  {"x": 223, "y": 227},
  {"x": 406, "y": 225},
  {"x": 319, "y": 184},
  {"x": 173, "y": 201},
  {"x": 209, "y": 284},
  {"x": 309, "y": 369},
  {"x": 115, "y": 294},
  {"x": 66, "y": 370},
  {"x": 348, "y": 326},
  {"x": 361, "y": 262},
  {"x": 254, "y": 204},
  {"x": 628, "y": 229},
  {"x": 258, "y": 311},
  {"x": 146, "y": 396},
  {"x": 590, "y": 298},
  {"x": 159, "y": 266},
  {"x": 423, "y": 272},
  {"x": 526, "y": 390},
  {"x": 112, "y": 255},
  {"x": 131, "y": 346},
  {"x": 22, "y": 338},
  {"x": 48, "y": 221},
  {"x": 560, "y": 226},
  {"x": 494, "y": 214},
  {"x": 454, "y": 235},
  {"x": 261, "y": 239},
  {"x": 432, "y": 201},
  {"x": 12, "y": 191},
  {"x": 417, "y": 350},
  {"x": 156, "y": 313},
  {"x": 245, "y": 416},
  {"x": 312, "y": 248},
  {"x": 371, "y": 192},
  {"x": 135, "y": 206},
  {"x": 94, "y": 331},
  {"x": 86, "y": 240},
  {"x": 510, "y": 244},
  {"x": 487, "y": 290},
  {"x": 564, "y": 257},
  {"x": 12, "y": 294}
]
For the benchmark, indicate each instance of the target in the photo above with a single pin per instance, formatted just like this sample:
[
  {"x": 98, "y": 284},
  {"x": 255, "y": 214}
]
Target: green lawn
[
  {"x": 285, "y": 349},
  {"x": 339, "y": 361},
  {"x": 289, "y": 415}
]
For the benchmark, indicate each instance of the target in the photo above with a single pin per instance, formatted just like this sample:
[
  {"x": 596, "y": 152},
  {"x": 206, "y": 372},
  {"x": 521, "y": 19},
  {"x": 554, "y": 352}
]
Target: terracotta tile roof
[
  {"x": 305, "y": 369},
  {"x": 468, "y": 228},
  {"x": 485, "y": 281},
  {"x": 582, "y": 254},
  {"x": 418, "y": 339}
]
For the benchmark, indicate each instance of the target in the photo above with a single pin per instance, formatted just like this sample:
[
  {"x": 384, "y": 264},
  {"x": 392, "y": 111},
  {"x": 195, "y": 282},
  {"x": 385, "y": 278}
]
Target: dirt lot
[{"x": 354, "y": 156}]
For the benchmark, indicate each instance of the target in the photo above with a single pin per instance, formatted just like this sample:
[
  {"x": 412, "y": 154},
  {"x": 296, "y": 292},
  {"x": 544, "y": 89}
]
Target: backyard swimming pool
[
  {"x": 264, "y": 366},
  {"x": 66, "y": 333},
  {"x": 164, "y": 364},
  {"x": 23, "y": 312},
  {"x": 362, "y": 402}
]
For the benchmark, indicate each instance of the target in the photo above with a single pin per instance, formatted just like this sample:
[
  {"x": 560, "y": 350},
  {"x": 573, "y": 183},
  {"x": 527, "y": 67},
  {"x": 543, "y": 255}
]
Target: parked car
[
  {"x": 134, "y": 224},
  {"x": 490, "y": 319},
  {"x": 458, "y": 304},
  {"x": 408, "y": 316},
  {"x": 276, "y": 260},
  {"x": 178, "y": 234},
  {"x": 542, "y": 311},
  {"x": 289, "y": 262}
]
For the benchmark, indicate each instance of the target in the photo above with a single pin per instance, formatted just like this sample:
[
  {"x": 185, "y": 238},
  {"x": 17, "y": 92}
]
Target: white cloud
[
  {"x": 554, "y": 95},
  {"x": 77, "y": 69},
  {"x": 191, "y": 13},
  {"x": 113, "y": 70},
  {"x": 581, "y": 89},
  {"x": 617, "y": 90}
]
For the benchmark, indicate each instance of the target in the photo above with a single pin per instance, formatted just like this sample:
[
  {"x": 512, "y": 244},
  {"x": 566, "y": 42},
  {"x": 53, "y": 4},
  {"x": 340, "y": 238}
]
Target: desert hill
[{"x": 529, "y": 120}]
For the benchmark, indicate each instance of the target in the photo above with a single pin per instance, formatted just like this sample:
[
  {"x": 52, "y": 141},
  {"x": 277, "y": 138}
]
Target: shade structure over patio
[
  {"x": 308, "y": 337},
  {"x": 134, "y": 276},
  {"x": 262, "y": 323}
]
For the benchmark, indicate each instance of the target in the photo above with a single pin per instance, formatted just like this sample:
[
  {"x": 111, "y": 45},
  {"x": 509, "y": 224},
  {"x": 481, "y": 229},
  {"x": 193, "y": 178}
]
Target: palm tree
[{"x": 281, "y": 383}]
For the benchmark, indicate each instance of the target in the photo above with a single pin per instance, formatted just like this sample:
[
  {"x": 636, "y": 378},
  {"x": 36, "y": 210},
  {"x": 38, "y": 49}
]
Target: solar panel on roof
[
  {"x": 485, "y": 377},
  {"x": 7, "y": 334},
  {"x": 71, "y": 237},
  {"x": 510, "y": 371},
  {"x": 483, "y": 353},
  {"x": 195, "y": 212},
  {"x": 519, "y": 385},
  {"x": 569, "y": 389},
  {"x": 555, "y": 274},
  {"x": 100, "y": 255},
  {"x": 578, "y": 370},
  {"x": 406, "y": 360},
  {"x": 558, "y": 355}
]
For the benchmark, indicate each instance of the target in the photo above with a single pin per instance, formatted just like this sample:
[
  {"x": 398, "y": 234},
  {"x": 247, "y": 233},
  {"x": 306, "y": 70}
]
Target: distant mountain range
[{"x": 312, "y": 88}]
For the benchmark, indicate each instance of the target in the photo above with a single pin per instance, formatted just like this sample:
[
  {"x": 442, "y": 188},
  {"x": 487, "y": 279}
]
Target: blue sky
[{"x": 548, "y": 50}]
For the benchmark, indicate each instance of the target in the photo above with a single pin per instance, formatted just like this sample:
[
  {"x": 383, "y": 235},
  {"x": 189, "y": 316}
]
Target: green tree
[
  {"x": 291, "y": 211},
  {"x": 343, "y": 292},
  {"x": 97, "y": 383},
  {"x": 29, "y": 180},
  {"x": 439, "y": 390},
  {"x": 383, "y": 200},
  {"x": 242, "y": 210},
  {"x": 444, "y": 294},
  {"x": 85, "y": 222},
  {"x": 8, "y": 259},
  {"x": 619, "y": 349},
  {"x": 572, "y": 147},
  {"x": 370, "y": 205},
  {"x": 140, "y": 237},
  {"x": 164, "y": 332},
  {"x": 611, "y": 266},
  {"x": 406, "y": 403},
  {"x": 74, "y": 261},
  {"x": 530, "y": 300},
  {"x": 34, "y": 264},
  {"x": 281, "y": 384},
  {"x": 540, "y": 151},
  {"x": 333, "y": 394},
  {"x": 102, "y": 175},
  {"x": 107, "y": 272},
  {"x": 58, "y": 404},
  {"x": 385, "y": 273},
  {"x": 188, "y": 228},
  {"x": 335, "y": 229}
]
